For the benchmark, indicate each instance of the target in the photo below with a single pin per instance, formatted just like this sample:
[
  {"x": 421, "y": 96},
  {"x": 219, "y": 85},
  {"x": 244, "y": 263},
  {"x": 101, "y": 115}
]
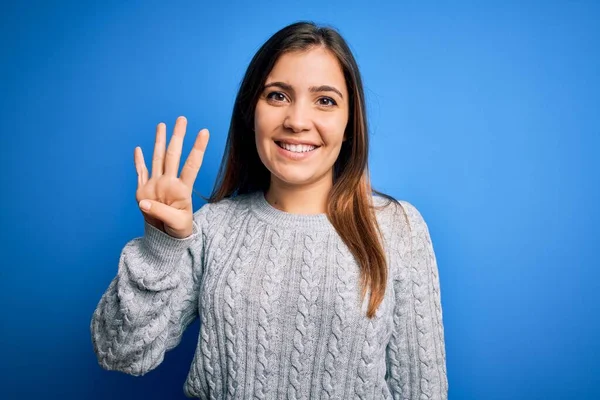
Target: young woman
[{"x": 307, "y": 282}]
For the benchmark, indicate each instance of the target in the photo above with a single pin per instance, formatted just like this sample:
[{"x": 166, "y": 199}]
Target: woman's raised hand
[{"x": 169, "y": 197}]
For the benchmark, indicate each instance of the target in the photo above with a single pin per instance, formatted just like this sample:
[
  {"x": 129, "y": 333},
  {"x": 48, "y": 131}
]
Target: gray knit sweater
[{"x": 278, "y": 299}]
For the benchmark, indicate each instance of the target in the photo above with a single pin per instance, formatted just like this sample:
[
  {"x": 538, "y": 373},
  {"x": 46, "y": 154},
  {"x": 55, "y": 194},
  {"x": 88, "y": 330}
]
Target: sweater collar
[{"x": 276, "y": 217}]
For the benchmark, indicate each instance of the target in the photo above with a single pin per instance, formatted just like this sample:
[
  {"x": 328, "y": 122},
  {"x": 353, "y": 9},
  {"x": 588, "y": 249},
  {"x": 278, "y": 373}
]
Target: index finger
[{"x": 192, "y": 165}]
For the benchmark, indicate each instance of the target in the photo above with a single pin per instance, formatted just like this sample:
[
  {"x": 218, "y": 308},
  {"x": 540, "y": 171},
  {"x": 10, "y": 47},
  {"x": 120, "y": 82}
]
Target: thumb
[
  {"x": 145, "y": 205},
  {"x": 157, "y": 209}
]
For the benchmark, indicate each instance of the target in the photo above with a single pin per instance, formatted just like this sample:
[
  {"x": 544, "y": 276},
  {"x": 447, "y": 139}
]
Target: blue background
[{"x": 484, "y": 116}]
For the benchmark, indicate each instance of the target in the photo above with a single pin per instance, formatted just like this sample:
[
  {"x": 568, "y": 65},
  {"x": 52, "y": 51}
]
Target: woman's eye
[
  {"x": 328, "y": 101},
  {"x": 277, "y": 96}
]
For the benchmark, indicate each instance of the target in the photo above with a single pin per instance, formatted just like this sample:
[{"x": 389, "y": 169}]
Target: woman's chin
[{"x": 293, "y": 179}]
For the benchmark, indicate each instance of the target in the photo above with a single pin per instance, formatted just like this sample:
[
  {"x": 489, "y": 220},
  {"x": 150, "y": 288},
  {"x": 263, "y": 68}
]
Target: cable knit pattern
[
  {"x": 398, "y": 351},
  {"x": 426, "y": 305},
  {"x": 225, "y": 222},
  {"x": 271, "y": 285},
  {"x": 232, "y": 297},
  {"x": 277, "y": 295},
  {"x": 309, "y": 291},
  {"x": 136, "y": 320},
  {"x": 366, "y": 364},
  {"x": 340, "y": 327}
]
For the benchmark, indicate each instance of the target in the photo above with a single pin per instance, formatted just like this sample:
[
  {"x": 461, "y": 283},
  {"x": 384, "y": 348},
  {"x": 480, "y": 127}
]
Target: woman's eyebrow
[{"x": 312, "y": 89}]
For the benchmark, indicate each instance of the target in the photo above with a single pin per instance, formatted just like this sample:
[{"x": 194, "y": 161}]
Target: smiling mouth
[{"x": 297, "y": 148}]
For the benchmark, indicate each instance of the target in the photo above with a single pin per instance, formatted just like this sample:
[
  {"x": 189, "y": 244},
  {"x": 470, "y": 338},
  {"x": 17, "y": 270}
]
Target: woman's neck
[{"x": 295, "y": 199}]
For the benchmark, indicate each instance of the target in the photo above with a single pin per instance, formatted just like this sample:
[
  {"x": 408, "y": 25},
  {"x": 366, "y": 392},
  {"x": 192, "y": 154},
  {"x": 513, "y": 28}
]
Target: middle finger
[{"x": 175, "y": 146}]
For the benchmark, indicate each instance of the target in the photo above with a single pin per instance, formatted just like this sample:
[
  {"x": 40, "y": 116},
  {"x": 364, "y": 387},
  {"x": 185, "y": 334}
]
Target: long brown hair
[{"x": 350, "y": 207}]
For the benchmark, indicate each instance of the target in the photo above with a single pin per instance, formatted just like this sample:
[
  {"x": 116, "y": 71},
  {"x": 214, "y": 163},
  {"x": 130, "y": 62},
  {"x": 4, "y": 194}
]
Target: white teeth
[{"x": 297, "y": 148}]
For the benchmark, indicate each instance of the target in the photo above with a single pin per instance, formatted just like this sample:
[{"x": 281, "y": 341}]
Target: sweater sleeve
[
  {"x": 151, "y": 300},
  {"x": 416, "y": 355}
]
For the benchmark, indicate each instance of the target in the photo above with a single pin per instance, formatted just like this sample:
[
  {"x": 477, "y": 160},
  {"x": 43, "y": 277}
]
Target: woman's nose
[{"x": 297, "y": 118}]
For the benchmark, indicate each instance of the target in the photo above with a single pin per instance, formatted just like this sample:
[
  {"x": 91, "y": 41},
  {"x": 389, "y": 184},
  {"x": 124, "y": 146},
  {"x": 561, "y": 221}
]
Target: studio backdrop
[{"x": 484, "y": 115}]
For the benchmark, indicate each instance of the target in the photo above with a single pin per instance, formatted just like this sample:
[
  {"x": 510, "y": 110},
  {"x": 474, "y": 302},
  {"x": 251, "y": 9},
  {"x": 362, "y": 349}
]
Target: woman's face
[{"x": 301, "y": 117}]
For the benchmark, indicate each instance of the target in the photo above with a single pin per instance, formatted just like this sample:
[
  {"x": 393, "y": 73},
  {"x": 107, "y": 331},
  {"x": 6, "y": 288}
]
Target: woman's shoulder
[
  {"x": 387, "y": 208},
  {"x": 398, "y": 218},
  {"x": 392, "y": 208}
]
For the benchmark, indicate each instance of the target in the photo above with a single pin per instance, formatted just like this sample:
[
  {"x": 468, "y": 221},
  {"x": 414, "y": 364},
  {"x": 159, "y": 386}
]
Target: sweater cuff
[{"x": 163, "y": 248}]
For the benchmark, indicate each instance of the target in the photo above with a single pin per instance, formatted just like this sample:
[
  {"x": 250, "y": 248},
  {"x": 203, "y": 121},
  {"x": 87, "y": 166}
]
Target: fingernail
[{"x": 145, "y": 205}]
